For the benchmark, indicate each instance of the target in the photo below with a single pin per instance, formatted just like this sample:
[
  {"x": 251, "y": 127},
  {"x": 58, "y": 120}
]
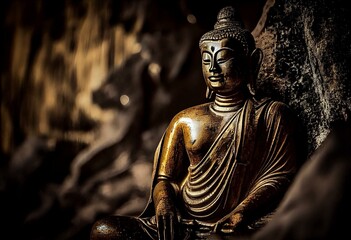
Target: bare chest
[{"x": 200, "y": 134}]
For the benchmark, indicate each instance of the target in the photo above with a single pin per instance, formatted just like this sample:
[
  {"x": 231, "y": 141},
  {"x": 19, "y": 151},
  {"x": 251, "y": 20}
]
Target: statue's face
[{"x": 223, "y": 66}]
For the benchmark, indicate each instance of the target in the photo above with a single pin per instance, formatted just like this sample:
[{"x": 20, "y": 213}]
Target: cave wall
[
  {"x": 88, "y": 87},
  {"x": 307, "y": 47}
]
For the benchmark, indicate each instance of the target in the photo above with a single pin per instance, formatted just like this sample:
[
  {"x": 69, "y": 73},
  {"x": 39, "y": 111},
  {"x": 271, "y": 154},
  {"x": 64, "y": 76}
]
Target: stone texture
[{"x": 307, "y": 47}]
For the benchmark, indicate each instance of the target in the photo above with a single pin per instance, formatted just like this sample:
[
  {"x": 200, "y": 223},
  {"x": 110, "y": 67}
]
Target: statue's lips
[{"x": 216, "y": 78}]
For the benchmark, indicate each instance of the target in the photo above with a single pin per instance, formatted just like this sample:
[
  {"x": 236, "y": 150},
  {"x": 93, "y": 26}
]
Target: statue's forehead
[{"x": 215, "y": 45}]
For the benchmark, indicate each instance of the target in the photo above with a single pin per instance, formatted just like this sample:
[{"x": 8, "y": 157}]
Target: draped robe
[{"x": 254, "y": 151}]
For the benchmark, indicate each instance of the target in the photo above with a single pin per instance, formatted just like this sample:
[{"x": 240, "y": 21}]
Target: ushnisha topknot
[{"x": 228, "y": 26}]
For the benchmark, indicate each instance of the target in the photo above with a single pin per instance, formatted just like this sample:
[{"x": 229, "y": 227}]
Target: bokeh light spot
[{"x": 124, "y": 99}]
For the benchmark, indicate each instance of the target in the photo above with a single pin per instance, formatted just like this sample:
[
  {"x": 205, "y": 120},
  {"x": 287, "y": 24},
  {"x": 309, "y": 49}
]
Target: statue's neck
[{"x": 230, "y": 103}]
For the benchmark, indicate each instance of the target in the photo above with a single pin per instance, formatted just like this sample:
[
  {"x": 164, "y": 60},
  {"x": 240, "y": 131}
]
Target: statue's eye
[
  {"x": 224, "y": 55},
  {"x": 222, "y": 60},
  {"x": 206, "y": 58}
]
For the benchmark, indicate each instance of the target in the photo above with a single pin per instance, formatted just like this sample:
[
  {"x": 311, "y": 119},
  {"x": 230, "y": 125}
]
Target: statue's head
[
  {"x": 229, "y": 54},
  {"x": 228, "y": 26}
]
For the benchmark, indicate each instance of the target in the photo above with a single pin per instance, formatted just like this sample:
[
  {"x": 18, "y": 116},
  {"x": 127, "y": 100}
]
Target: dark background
[{"x": 74, "y": 150}]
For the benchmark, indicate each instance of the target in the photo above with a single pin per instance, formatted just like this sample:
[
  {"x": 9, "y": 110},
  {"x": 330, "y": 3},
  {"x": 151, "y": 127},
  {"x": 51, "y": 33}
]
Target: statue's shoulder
[
  {"x": 194, "y": 109},
  {"x": 270, "y": 105},
  {"x": 273, "y": 112},
  {"x": 190, "y": 113}
]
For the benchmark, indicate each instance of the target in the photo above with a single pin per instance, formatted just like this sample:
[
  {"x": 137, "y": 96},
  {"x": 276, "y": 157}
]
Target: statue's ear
[{"x": 256, "y": 61}]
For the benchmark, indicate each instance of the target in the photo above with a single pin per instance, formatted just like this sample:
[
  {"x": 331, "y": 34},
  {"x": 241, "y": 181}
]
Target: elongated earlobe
[
  {"x": 252, "y": 87},
  {"x": 209, "y": 93},
  {"x": 255, "y": 62}
]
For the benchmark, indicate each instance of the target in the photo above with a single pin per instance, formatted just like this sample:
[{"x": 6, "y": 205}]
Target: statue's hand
[
  {"x": 231, "y": 225},
  {"x": 166, "y": 220}
]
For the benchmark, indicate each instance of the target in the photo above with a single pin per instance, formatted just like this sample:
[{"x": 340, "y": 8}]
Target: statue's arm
[
  {"x": 167, "y": 178},
  {"x": 254, "y": 205},
  {"x": 275, "y": 171}
]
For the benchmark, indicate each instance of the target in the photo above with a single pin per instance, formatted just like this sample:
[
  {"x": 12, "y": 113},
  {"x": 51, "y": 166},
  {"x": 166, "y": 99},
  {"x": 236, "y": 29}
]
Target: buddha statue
[{"x": 221, "y": 167}]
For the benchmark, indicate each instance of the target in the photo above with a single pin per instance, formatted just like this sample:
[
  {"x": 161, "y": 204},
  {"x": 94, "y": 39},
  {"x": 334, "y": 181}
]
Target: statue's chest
[{"x": 200, "y": 137}]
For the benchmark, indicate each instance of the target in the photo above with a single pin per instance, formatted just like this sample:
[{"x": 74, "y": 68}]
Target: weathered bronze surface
[{"x": 221, "y": 167}]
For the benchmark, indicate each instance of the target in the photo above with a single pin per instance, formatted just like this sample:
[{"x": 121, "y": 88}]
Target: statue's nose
[{"x": 214, "y": 67}]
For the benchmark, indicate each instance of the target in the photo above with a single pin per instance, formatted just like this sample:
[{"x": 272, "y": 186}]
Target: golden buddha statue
[{"x": 221, "y": 167}]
